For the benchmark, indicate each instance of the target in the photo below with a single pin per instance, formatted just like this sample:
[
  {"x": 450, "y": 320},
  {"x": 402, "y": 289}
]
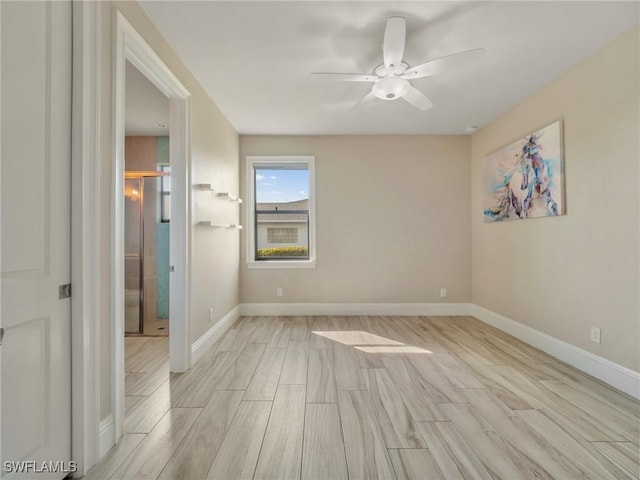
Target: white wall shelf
[
  {"x": 204, "y": 186},
  {"x": 207, "y": 187},
  {"x": 226, "y": 195},
  {"x": 230, "y": 197},
  {"x": 208, "y": 223}
]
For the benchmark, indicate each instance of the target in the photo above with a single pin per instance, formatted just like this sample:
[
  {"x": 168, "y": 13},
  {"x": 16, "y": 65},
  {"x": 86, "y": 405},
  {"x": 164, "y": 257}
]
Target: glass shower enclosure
[
  {"x": 146, "y": 265},
  {"x": 133, "y": 255}
]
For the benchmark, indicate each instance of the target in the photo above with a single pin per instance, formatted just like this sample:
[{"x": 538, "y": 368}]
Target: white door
[{"x": 35, "y": 170}]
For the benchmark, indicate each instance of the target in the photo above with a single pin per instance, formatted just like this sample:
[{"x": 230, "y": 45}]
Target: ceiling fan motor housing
[{"x": 390, "y": 88}]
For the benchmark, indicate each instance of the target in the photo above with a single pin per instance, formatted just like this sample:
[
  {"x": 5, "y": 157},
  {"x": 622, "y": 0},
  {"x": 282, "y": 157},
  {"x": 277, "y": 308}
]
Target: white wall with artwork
[
  {"x": 563, "y": 274},
  {"x": 525, "y": 179}
]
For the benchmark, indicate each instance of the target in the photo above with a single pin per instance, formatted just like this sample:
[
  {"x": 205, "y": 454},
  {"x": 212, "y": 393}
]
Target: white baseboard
[
  {"x": 107, "y": 436},
  {"x": 617, "y": 376},
  {"x": 267, "y": 309},
  {"x": 212, "y": 335}
]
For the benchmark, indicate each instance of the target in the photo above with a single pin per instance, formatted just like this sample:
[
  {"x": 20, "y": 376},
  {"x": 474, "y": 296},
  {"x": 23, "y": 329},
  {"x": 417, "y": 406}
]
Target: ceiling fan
[{"x": 391, "y": 79}]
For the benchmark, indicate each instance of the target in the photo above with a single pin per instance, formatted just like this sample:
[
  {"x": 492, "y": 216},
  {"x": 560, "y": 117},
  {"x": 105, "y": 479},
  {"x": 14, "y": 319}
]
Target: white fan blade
[
  {"x": 443, "y": 64},
  {"x": 345, "y": 77},
  {"x": 418, "y": 99},
  {"x": 368, "y": 99},
  {"x": 393, "y": 46}
]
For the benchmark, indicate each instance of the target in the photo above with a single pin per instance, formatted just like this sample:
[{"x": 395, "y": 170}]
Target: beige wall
[
  {"x": 392, "y": 220},
  {"x": 214, "y": 150},
  {"x": 562, "y": 275}
]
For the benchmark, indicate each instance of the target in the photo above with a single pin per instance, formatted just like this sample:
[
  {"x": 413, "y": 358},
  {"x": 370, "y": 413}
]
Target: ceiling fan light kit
[
  {"x": 390, "y": 88},
  {"x": 391, "y": 80}
]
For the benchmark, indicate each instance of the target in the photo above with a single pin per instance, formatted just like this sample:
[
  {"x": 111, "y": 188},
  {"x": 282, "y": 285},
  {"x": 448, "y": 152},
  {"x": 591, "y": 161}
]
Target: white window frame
[{"x": 252, "y": 162}]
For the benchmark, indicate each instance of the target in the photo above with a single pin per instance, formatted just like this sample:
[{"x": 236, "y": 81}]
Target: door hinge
[
  {"x": 1, "y": 335},
  {"x": 64, "y": 291}
]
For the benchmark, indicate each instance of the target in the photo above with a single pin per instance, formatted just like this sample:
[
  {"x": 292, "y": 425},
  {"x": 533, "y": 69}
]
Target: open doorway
[
  {"x": 131, "y": 48},
  {"x": 147, "y": 194},
  {"x": 147, "y": 207}
]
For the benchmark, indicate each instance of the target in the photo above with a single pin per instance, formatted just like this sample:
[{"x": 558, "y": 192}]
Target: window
[
  {"x": 280, "y": 218},
  {"x": 165, "y": 194}
]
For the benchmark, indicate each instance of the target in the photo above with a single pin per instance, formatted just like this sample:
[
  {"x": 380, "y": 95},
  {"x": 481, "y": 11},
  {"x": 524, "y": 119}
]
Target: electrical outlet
[
  {"x": 443, "y": 292},
  {"x": 595, "y": 334},
  {"x": 279, "y": 292},
  {"x": 211, "y": 314}
]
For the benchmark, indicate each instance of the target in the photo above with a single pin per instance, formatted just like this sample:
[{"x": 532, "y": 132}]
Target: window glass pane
[
  {"x": 165, "y": 208},
  {"x": 282, "y": 235},
  {"x": 282, "y": 213},
  {"x": 166, "y": 180},
  {"x": 165, "y": 194}
]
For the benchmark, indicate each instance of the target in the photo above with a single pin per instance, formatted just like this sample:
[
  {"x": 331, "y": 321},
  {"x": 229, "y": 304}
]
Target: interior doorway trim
[
  {"x": 85, "y": 228},
  {"x": 129, "y": 45}
]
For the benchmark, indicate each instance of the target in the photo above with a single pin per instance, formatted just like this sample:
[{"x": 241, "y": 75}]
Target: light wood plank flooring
[{"x": 369, "y": 397}]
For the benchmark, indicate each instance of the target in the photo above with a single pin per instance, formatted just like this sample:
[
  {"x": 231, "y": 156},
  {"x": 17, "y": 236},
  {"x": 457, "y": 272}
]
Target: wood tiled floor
[{"x": 369, "y": 397}]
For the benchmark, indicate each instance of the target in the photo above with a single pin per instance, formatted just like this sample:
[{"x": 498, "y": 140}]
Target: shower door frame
[{"x": 140, "y": 331}]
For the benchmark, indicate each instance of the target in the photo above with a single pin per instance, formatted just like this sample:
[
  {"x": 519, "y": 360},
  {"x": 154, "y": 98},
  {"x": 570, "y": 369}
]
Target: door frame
[
  {"x": 85, "y": 235},
  {"x": 130, "y": 46},
  {"x": 91, "y": 437}
]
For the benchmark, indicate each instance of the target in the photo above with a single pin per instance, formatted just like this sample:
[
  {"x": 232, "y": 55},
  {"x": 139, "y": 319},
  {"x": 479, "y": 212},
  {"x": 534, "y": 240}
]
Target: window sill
[{"x": 281, "y": 264}]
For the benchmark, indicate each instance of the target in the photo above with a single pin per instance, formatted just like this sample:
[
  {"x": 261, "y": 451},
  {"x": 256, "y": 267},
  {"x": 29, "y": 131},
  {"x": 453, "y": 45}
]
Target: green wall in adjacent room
[{"x": 162, "y": 245}]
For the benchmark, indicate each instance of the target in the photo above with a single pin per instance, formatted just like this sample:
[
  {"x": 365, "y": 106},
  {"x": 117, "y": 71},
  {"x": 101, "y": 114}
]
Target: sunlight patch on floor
[
  {"x": 399, "y": 349},
  {"x": 356, "y": 337},
  {"x": 369, "y": 343}
]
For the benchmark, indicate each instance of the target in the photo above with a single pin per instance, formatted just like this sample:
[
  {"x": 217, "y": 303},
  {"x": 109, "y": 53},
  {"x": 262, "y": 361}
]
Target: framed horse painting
[{"x": 525, "y": 179}]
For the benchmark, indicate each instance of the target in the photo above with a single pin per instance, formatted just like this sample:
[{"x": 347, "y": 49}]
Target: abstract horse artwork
[{"x": 525, "y": 179}]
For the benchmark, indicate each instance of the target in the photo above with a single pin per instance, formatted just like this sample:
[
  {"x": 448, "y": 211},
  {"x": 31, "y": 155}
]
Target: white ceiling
[
  {"x": 146, "y": 107},
  {"x": 255, "y": 58}
]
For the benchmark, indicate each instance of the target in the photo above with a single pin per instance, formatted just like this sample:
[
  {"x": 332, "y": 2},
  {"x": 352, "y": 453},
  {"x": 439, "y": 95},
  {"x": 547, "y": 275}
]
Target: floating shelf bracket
[
  {"x": 230, "y": 197},
  {"x": 208, "y": 223},
  {"x": 204, "y": 186}
]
